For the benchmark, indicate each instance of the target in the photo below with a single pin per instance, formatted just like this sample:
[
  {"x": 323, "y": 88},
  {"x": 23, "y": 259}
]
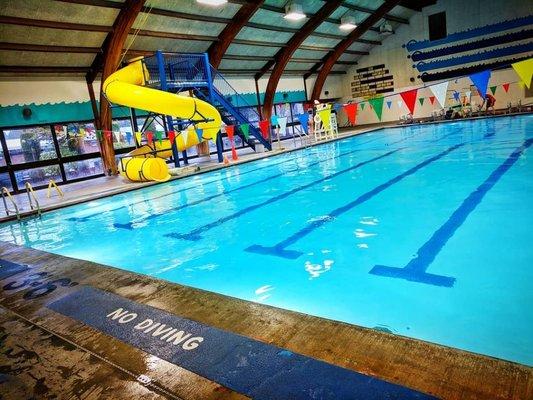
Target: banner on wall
[
  {"x": 245, "y": 129},
  {"x": 524, "y": 70},
  {"x": 351, "y": 112},
  {"x": 325, "y": 115},
  {"x": 409, "y": 98},
  {"x": 282, "y": 122},
  {"x": 304, "y": 121},
  {"x": 439, "y": 91},
  {"x": 377, "y": 106},
  {"x": 481, "y": 81}
]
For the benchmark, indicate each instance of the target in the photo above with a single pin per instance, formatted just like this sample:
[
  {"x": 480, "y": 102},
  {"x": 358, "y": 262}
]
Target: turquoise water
[{"x": 422, "y": 231}]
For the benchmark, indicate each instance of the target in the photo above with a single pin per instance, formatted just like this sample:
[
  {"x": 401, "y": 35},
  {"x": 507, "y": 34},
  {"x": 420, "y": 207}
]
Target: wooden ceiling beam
[
  {"x": 330, "y": 59},
  {"x": 284, "y": 55},
  {"x": 31, "y": 69},
  {"x": 218, "y": 48}
]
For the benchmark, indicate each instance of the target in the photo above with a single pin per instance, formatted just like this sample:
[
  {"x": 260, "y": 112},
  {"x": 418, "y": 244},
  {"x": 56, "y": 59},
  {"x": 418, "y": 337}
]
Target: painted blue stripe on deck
[
  {"x": 247, "y": 366},
  {"x": 280, "y": 249},
  {"x": 195, "y": 233},
  {"x": 8, "y": 268},
  {"x": 416, "y": 269}
]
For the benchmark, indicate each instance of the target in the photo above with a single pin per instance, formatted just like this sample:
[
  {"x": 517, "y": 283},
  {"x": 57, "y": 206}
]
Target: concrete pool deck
[{"x": 45, "y": 354}]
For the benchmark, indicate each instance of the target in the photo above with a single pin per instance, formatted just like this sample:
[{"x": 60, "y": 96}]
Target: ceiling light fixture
[
  {"x": 294, "y": 11},
  {"x": 348, "y": 23},
  {"x": 214, "y": 3}
]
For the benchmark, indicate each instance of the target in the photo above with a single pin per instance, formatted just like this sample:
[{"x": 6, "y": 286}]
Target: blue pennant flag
[
  {"x": 199, "y": 133},
  {"x": 304, "y": 121},
  {"x": 274, "y": 120},
  {"x": 389, "y": 104},
  {"x": 337, "y": 106},
  {"x": 481, "y": 81},
  {"x": 128, "y": 137},
  {"x": 456, "y": 95}
]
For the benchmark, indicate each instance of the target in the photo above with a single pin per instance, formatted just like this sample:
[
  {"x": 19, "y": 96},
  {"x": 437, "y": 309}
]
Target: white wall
[{"x": 460, "y": 15}]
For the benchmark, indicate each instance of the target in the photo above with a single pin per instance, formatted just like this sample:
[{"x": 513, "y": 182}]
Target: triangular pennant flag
[
  {"x": 184, "y": 135},
  {"x": 524, "y": 69},
  {"x": 325, "y": 115},
  {"x": 506, "y": 87},
  {"x": 264, "y": 126},
  {"x": 400, "y": 103},
  {"x": 362, "y": 106},
  {"x": 128, "y": 137},
  {"x": 456, "y": 95},
  {"x": 171, "y": 136},
  {"x": 337, "y": 107},
  {"x": 108, "y": 135},
  {"x": 439, "y": 91},
  {"x": 245, "y": 129},
  {"x": 282, "y": 121},
  {"x": 99, "y": 135},
  {"x": 481, "y": 81},
  {"x": 200, "y": 133},
  {"x": 377, "y": 105},
  {"x": 149, "y": 137},
  {"x": 138, "y": 138},
  {"x": 389, "y": 104},
  {"x": 159, "y": 136},
  {"x": 493, "y": 89},
  {"x": 421, "y": 100},
  {"x": 432, "y": 99},
  {"x": 351, "y": 112},
  {"x": 274, "y": 120},
  {"x": 230, "y": 130},
  {"x": 304, "y": 121},
  {"x": 409, "y": 99}
]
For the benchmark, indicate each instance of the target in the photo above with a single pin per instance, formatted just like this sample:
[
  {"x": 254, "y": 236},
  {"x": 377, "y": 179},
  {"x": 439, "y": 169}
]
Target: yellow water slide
[{"x": 126, "y": 87}]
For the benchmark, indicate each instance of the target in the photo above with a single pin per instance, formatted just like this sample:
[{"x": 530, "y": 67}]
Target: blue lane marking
[
  {"x": 8, "y": 268},
  {"x": 416, "y": 269},
  {"x": 130, "y": 225},
  {"x": 279, "y": 249},
  {"x": 250, "y": 367},
  {"x": 195, "y": 233}
]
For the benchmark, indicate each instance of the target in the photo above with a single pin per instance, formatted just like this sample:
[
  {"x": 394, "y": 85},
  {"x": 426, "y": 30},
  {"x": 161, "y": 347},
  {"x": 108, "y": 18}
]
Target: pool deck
[{"x": 46, "y": 354}]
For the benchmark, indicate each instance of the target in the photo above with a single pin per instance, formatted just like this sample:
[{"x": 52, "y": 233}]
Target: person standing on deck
[{"x": 490, "y": 100}]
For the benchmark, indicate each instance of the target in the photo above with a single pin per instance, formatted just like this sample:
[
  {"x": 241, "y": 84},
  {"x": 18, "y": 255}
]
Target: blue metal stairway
[{"x": 179, "y": 72}]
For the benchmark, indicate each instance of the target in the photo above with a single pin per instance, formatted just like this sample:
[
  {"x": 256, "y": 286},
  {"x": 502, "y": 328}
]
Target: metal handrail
[
  {"x": 32, "y": 198},
  {"x": 6, "y": 193}
]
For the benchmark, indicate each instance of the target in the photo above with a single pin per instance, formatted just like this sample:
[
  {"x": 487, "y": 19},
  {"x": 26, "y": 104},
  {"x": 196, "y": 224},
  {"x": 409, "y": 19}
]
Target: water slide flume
[{"x": 126, "y": 87}]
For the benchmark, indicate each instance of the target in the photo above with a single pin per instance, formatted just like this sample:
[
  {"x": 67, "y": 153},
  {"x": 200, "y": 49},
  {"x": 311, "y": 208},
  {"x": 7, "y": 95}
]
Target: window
[
  {"x": 5, "y": 181},
  {"x": 77, "y": 138},
  {"x": 122, "y": 134},
  {"x": 84, "y": 168},
  {"x": 38, "y": 176},
  {"x": 30, "y": 144},
  {"x": 2, "y": 158},
  {"x": 437, "y": 26}
]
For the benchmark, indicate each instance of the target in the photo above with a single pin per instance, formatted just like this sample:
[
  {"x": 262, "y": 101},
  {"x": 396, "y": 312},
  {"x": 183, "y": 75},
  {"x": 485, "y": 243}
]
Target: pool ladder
[{"x": 15, "y": 210}]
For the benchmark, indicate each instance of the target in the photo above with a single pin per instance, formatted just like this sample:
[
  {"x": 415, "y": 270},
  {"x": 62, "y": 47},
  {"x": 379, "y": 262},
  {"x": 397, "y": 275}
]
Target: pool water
[{"x": 423, "y": 231}]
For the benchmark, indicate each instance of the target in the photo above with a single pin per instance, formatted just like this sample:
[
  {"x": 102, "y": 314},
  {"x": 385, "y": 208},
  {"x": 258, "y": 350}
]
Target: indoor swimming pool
[{"x": 422, "y": 231}]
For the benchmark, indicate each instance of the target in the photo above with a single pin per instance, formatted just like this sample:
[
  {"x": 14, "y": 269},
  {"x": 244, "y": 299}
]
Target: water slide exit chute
[{"x": 126, "y": 87}]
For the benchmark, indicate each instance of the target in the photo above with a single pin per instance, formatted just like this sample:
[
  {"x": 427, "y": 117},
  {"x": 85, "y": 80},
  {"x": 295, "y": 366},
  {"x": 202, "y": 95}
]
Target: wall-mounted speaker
[{"x": 26, "y": 112}]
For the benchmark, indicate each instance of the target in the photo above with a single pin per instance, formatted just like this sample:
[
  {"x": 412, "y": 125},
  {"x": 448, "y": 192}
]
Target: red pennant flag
[
  {"x": 432, "y": 99},
  {"x": 108, "y": 135},
  {"x": 230, "y": 130},
  {"x": 264, "y": 126},
  {"x": 171, "y": 136},
  {"x": 149, "y": 137},
  {"x": 506, "y": 87},
  {"x": 409, "y": 98},
  {"x": 351, "y": 112}
]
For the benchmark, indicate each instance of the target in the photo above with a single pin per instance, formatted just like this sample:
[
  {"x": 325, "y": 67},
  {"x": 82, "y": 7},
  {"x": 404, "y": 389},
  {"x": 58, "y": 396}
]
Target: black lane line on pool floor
[
  {"x": 415, "y": 270},
  {"x": 195, "y": 233},
  {"x": 244, "y": 365},
  {"x": 129, "y": 225},
  {"x": 280, "y": 249},
  {"x": 216, "y": 180}
]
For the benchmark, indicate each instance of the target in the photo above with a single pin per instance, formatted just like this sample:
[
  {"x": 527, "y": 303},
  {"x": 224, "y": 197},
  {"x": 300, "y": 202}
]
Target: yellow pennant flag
[
  {"x": 138, "y": 138},
  {"x": 325, "y": 115},
  {"x": 524, "y": 69}
]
